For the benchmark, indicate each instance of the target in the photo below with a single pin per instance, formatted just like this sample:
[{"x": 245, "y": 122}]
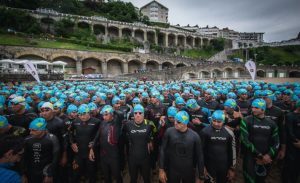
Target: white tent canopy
[{"x": 59, "y": 63}]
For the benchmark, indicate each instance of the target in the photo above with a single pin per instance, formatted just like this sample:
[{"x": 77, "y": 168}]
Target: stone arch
[
  {"x": 189, "y": 41},
  {"x": 197, "y": 42},
  {"x": 139, "y": 34},
  {"x": 294, "y": 74},
  {"x": 205, "y": 41},
  {"x": 261, "y": 73},
  {"x": 204, "y": 74},
  {"x": 99, "y": 29},
  {"x": 70, "y": 68},
  {"x": 189, "y": 75},
  {"x": 91, "y": 66},
  {"x": 113, "y": 31},
  {"x": 216, "y": 73},
  {"x": 181, "y": 65},
  {"x": 151, "y": 37},
  {"x": 83, "y": 25},
  {"x": 167, "y": 65},
  {"x": 152, "y": 65},
  {"x": 161, "y": 39},
  {"x": 134, "y": 66},
  {"x": 31, "y": 57},
  {"x": 114, "y": 67},
  {"x": 228, "y": 72},
  {"x": 180, "y": 40},
  {"x": 171, "y": 40},
  {"x": 47, "y": 23},
  {"x": 241, "y": 72},
  {"x": 126, "y": 32}
]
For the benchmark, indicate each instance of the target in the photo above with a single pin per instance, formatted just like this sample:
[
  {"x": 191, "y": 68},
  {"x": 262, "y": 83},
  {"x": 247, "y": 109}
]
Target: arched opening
[
  {"x": 70, "y": 68},
  {"x": 91, "y": 66},
  {"x": 31, "y": 57},
  {"x": 47, "y": 24},
  {"x": 294, "y": 74},
  {"x": 167, "y": 65},
  {"x": 99, "y": 29},
  {"x": 171, "y": 40},
  {"x": 161, "y": 39},
  {"x": 216, "y": 73},
  {"x": 204, "y": 74},
  {"x": 261, "y": 73},
  {"x": 180, "y": 65},
  {"x": 275, "y": 73},
  {"x": 197, "y": 42},
  {"x": 180, "y": 41},
  {"x": 242, "y": 73},
  {"x": 228, "y": 73},
  {"x": 205, "y": 42},
  {"x": 189, "y": 76},
  {"x": 189, "y": 41},
  {"x": 126, "y": 33},
  {"x": 83, "y": 25},
  {"x": 151, "y": 37},
  {"x": 139, "y": 35},
  {"x": 134, "y": 66},
  {"x": 114, "y": 67},
  {"x": 113, "y": 31},
  {"x": 152, "y": 65}
]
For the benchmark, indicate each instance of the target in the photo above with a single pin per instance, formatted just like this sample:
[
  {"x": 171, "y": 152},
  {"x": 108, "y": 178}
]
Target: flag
[
  {"x": 32, "y": 70},
  {"x": 250, "y": 65}
]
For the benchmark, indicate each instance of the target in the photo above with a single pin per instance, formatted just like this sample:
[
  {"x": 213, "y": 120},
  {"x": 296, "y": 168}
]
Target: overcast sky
[{"x": 278, "y": 19}]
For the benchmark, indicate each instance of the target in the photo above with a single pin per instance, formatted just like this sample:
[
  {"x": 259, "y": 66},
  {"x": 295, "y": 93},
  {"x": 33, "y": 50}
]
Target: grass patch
[{"x": 193, "y": 53}]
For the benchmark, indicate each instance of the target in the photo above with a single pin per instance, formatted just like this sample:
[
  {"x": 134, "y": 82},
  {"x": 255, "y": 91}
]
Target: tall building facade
[{"x": 155, "y": 11}]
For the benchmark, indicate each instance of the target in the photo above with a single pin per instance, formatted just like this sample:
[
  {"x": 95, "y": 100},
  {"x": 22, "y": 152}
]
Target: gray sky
[{"x": 278, "y": 19}]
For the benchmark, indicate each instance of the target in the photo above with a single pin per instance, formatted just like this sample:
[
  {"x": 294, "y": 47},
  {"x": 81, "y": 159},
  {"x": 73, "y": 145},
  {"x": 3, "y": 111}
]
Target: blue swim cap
[
  {"x": 269, "y": 94},
  {"x": 179, "y": 101},
  {"x": 3, "y": 122},
  {"x": 145, "y": 95},
  {"x": 115, "y": 100},
  {"x": 230, "y": 103},
  {"x": 138, "y": 108},
  {"x": 122, "y": 96},
  {"x": 242, "y": 91},
  {"x": 218, "y": 115},
  {"x": 231, "y": 95},
  {"x": 136, "y": 101},
  {"x": 259, "y": 103},
  {"x": 83, "y": 108},
  {"x": 192, "y": 104},
  {"x": 38, "y": 124},
  {"x": 59, "y": 105},
  {"x": 107, "y": 109},
  {"x": 182, "y": 117},
  {"x": 71, "y": 108},
  {"x": 172, "y": 111},
  {"x": 92, "y": 106}
]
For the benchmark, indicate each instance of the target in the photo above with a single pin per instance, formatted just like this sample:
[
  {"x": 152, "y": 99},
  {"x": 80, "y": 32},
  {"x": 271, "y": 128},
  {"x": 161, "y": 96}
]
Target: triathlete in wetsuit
[
  {"x": 219, "y": 149},
  {"x": 260, "y": 137},
  {"x": 7, "y": 129},
  {"x": 83, "y": 130},
  {"x": 20, "y": 117},
  {"x": 209, "y": 102},
  {"x": 182, "y": 147},
  {"x": 139, "y": 137},
  {"x": 243, "y": 102},
  {"x": 41, "y": 153},
  {"x": 108, "y": 138},
  {"x": 291, "y": 170}
]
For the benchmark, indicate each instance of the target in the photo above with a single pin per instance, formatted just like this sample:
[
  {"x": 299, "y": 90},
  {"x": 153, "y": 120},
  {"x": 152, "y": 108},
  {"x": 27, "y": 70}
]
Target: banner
[
  {"x": 32, "y": 70},
  {"x": 250, "y": 65}
]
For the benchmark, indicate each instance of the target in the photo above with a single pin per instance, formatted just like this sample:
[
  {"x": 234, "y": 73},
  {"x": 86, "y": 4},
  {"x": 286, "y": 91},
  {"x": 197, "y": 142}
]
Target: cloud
[{"x": 277, "y": 18}]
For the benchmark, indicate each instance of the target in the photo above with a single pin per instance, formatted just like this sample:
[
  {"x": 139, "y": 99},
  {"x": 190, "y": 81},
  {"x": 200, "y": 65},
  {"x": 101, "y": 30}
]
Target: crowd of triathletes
[{"x": 178, "y": 131}]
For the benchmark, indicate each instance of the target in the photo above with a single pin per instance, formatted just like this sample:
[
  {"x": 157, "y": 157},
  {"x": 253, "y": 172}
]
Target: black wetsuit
[
  {"x": 108, "y": 138},
  {"x": 15, "y": 131},
  {"x": 83, "y": 134},
  {"x": 41, "y": 157},
  {"x": 139, "y": 136},
  {"x": 244, "y": 106},
  {"x": 291, "y": 171},
  {"x": 184, "y": 152},
  {"x": 22, "y": 120},
  {"x": 219, "y": 152},
  {"x": 260, "y": 137},
  {"x": 211, "y": 105},
  {"x": 202, "y": 114}
]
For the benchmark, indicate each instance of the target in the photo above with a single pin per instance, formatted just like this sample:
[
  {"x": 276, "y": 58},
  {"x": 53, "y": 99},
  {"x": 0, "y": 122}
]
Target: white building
[{"x": 155, "y": 11}]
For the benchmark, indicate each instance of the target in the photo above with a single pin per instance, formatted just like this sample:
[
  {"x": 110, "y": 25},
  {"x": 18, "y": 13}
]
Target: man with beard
[
  {"x": 243, "y": 102},
  {"x": 208, "y": 101},
  {"x": 219, "y": 149},
  {"x": 82, "y": 133},
  {"x": 260, "y": 137},
  {"x": 108, "y": 138},
  {"x": 181, "y": 150}
]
